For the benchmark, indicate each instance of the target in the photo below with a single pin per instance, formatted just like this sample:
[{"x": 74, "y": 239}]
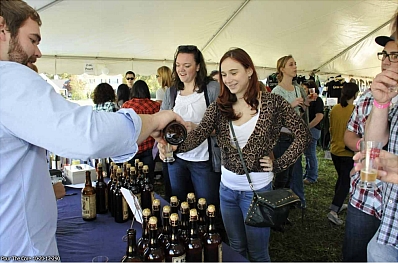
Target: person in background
[
  {"x": 214, "y": 75},
  {"x": 199, "y": 168},
  {"x": 42, "y": 119},
  {"x": 104, "y": 98},
  {"x": 141, "y": 103},
  {"x": 257, "y": 118},
  {"x": 341, "y": 156},
  {"x": 315, "y": 118},
  {"x": 263, "y": 87},
  {"x": 164, "y": 79},
  {"x": 295, "y": 95},
  {"x": 123, "y": 94},
  {"x": 130, "y": 77}
]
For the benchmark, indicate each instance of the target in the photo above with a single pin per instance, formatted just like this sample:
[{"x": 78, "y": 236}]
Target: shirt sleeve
[
  {"x": 319, "y": 106},
  {"x": 32, "y": 111}
]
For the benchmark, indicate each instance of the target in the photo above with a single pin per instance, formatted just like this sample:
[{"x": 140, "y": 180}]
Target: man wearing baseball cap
[{"x": 382, "y": 125}]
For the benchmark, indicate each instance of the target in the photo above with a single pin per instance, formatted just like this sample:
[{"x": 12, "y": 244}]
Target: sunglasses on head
[
  {"x": 130, "y": 78},
  {"x": 187, "y": 48}
]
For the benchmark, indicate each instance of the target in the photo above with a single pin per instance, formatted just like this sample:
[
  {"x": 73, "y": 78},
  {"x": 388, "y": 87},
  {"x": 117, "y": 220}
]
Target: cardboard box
[{"x": 74, "y": 175}]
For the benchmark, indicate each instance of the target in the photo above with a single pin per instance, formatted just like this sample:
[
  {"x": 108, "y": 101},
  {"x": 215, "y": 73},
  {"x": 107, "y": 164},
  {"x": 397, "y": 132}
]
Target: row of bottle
[
  {"x": 177, "y": 241},
  {"x": 108, "y": 197}
]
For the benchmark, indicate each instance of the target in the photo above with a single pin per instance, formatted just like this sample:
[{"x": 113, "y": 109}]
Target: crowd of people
[{"x": 273, "y": 129}]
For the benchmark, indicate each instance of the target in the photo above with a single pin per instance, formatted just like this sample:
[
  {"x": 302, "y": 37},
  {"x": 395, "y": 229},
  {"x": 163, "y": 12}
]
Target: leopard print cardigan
[{"x": 275, "y": 113}]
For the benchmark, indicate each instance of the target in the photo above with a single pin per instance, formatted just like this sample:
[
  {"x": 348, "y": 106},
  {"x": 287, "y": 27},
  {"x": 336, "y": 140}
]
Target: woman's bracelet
[{"x": 381, "y": 106}]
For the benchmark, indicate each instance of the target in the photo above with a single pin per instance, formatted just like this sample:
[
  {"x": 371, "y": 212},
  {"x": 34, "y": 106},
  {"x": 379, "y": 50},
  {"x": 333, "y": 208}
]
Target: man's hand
[
  {"x": 387, "y": 163},
  {"x": 59, "y": 190},
  {"x": 380, "y": 84}
]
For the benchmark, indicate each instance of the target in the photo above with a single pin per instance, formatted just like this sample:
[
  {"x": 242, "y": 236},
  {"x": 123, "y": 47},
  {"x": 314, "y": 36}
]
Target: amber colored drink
[{"x": 368, "y": 176}]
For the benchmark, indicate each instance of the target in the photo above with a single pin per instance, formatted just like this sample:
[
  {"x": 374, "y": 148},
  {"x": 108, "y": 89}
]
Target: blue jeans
[
  {"x": 311, "y": 167},
  {"x": 381, "y": 253},
  {"x": 359, "y": 230},
  {"x": 292, "y": 177},
  {"x": 243, "y": 239},
  {"x": 204, "y": 180}
]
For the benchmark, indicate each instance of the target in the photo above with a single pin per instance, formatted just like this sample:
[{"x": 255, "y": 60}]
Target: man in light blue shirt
[{"x": 33, "y": 117}]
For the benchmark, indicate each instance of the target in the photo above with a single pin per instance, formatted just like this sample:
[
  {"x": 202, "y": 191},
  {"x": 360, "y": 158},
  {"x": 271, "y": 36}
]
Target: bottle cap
[
  {"x": 140, "y": 164},
  {"x": 152, "y": 223},
  {"x": 174, "y": 199},
  {"x": 174, "y": 219},
  {"x": 136, "y": 161},
  {"x": 146, "y": 212},
  {"x": 193, "y": 214},
  {"x": 119, "y": 170},
  {"x": 156, "y": 202},
  {"x": 166, "y": 210},
  {"x": 128, "y": 165},
  {"x": 190, "y": 196},
  {"x": 202, "y": 203},
  {"x": 211, "y": 211},
  {"x": 145, "y": 168},
  {"x": 184, "y": 207},
  {"x": 131, "y": 231}
]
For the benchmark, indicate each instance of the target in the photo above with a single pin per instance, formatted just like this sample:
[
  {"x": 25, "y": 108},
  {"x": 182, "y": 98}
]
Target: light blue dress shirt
[{"x": 33, "y": 117}]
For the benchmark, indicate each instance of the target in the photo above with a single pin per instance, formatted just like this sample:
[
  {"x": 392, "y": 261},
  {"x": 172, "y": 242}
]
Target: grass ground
[{"x": 316, "y": 239}]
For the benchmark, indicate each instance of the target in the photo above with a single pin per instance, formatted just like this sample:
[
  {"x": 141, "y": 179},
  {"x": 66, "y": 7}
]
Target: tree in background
[{"x": 78, "y": 89}]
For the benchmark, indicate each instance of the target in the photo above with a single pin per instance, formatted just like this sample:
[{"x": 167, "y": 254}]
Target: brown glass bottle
[
  {"x": 175, "y": 133},
  {"x": 191, "y": 199},
  {"x": 131, "y": 251},
  {"x": 156, "y": 212},
  {"x": 164, "y": 236},
  {"x": 141, "y": 175},
  {"x": 143, "y": 242},
  {"x": 134, "y": 186},
  {"x": 101, "y": 192},
  {"x": 111, "y": 193},
  {"x": 147, "y": 194},
  {"x": 120, "y": 205},
  {"x": 193, "y": 247},
  {"x": 153, "y": 252},
  {"x": 175, "y": 249},
  {"x": 174, "y": 204},
  {"x": 184, "y": 227},
  {"x": 212, "y": 240},
  {"x": 89, "y": 210},
  {"x": 202, "y": 227}
]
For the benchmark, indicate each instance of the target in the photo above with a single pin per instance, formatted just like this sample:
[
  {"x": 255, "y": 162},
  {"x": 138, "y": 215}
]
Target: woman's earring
[{"x": 250, "y": 77}]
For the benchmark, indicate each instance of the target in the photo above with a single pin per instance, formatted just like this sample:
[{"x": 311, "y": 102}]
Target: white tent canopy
[{"x": 332, "y": 37}]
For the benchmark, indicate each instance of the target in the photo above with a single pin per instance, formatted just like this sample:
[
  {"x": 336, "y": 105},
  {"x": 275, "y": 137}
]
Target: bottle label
[
  {"x": 152, "y": 196},
  {"x": 178, "y": 259},
  {"x": 203, "y": 255},
  {"x": 125, "y": 209},
  {"x": 220, "y": 253},
  {"x": 89, "y": 206}
]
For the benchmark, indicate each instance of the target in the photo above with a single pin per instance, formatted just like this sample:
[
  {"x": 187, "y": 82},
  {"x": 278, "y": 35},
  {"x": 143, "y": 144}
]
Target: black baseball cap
[{"x": 383, "y": 40}]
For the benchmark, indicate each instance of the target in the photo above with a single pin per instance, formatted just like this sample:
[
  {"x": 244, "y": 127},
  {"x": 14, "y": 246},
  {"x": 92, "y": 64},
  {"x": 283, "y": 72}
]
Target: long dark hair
[
  {"x": 312, "y": 85},
  {"x": 123, "y": 93},
  {"x": 226, "y": 98},
  {"x": 348, "y": 92},
  {"x": 140, "y": 90},
  {"x": 103, "y": 93},
  {"x": 201, "y": 75}
]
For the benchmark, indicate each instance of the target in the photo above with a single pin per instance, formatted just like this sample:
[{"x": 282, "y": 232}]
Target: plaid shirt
[
  {"x": 108, "y": 106},
  {"x": 367, "y": 201},
  {"x": 388, "y": 230},
  {"x": 143, "y": 106}
]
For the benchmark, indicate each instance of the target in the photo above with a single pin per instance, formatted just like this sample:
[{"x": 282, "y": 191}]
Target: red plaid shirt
[{"x": 143, "y": 106}]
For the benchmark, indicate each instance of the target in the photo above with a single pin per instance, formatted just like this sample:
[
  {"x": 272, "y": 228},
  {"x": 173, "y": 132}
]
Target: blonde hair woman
[{"x": 164, "y": 79}]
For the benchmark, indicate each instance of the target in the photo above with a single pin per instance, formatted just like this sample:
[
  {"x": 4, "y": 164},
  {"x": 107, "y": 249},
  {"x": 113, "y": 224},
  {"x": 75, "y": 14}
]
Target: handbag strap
[{"x": 240, "y": 155}]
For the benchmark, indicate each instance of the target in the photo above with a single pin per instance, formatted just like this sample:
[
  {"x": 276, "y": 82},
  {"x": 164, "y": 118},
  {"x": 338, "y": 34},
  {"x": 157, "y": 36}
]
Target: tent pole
[
  {"x": 225, "y": 25},
  {"x": 48, "y": 5},
  {"x": 353, "y": 45}
]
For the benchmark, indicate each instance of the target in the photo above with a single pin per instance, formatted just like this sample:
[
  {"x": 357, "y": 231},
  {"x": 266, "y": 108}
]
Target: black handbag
[{"x": 267, "y": 209}]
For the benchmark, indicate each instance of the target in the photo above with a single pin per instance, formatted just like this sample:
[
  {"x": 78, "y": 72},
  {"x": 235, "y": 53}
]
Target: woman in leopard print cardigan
[{"x": 257, "y": 118}]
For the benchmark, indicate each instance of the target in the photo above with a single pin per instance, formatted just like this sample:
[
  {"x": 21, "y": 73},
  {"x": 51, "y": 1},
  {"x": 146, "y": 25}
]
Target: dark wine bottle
[
  {"x": 143, "y": 242},
  {"x": 101, "y": 191},
  {"x": 175, "y": 133},
  {"x": 193, "y": 247},
  {"x": 175, "y": 250},
  {"x": 202, "y": 227},
  {"x": 131, "y": 251},
  {"x": 174, "y": 204},
  {"x": 147, "y": 194},
  {"x": 212, "y": 239},
  {"x": 153, "y": 252}
]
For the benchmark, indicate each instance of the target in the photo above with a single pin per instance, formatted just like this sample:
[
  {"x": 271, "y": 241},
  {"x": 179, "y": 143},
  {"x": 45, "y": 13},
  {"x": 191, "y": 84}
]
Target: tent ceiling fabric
[{"x": 143, "y": 34}]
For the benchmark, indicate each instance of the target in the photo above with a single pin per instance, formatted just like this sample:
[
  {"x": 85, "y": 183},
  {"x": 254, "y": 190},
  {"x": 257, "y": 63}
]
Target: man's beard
[{"x": 17, "y": 54}]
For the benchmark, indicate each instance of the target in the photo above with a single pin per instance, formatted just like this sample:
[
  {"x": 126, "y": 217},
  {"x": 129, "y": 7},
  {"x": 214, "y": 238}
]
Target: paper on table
[
  {"x": 81, "y": 185},
  {"x": 133, "y": 203}
]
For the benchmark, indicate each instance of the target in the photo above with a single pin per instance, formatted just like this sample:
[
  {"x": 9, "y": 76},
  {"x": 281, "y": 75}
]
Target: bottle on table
[
  {"x": 175, "y": 249},
  {"x": 147, "y": 193},
  {"x": 120, "y": 204},
  {"x": 134, "y": 185},
  {"x": 156, "y": 213},
  {"x": 164, "y": 236},
  {"x": 184, "y": 227},
  {"x": 131, "y": 251},
  {"x": 143, "y": 242},
  {"x": 212, "y": 240},
  {"x": 191, "y": 199},
  {"x": 153, "y": 252},
  {"x": 174, "y": 204},
  {"x": 112, "y": 187},
  {"x": 202, "y": 227},
  {"x": 101, "y": 191},
  {"x": 194, "y": 247},
  {"x": 89, "y": 211}
]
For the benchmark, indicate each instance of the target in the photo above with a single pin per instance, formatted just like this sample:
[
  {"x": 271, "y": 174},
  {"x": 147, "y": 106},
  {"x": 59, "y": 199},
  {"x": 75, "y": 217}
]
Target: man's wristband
[
  {"x": 359, "y": 144},
  {"x": 381, "y": 106}
]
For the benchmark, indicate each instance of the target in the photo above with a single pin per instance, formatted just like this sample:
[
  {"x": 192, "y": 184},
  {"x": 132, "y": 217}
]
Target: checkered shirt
[
  {"x": 143, "y": 106},
  {"x": 367, "y": 201},
  {"x": 388, "y": 230},
  {"x": 108, "y": 106}
]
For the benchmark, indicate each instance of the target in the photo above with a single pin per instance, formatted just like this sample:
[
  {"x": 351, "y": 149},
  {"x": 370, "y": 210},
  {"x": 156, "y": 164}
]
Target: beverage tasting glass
[
  {"x": 370, "y": 150},
  {"x": 312, "y": 92}
]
